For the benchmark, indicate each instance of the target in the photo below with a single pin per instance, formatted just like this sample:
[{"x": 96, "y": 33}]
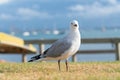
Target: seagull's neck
[{"x": 74, "y": 32}]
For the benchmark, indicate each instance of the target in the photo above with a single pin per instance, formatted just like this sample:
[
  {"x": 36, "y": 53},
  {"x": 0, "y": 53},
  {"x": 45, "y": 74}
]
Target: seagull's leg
[
  {"x": 66, "y": 65},
  {"x": 59, "y": 64}
]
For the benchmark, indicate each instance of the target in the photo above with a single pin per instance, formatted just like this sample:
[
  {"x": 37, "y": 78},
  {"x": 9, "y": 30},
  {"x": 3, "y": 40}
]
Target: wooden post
[
  {"x": 117, "y": 51},
  {"x": 41, "y": 47},
  {"x": 74, "y": 58},
  {"x": 23, "y": 57}
]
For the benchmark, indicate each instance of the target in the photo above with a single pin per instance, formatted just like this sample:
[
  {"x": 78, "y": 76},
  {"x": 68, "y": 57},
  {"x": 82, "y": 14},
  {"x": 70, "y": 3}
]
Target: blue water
[{"x": 80, "y": 57}]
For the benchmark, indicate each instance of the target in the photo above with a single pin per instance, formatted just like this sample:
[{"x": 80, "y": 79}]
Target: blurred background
[{"x": 50, "y": 19}]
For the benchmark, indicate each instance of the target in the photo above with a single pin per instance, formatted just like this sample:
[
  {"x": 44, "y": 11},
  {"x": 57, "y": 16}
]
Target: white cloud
[
  {"x": 110, "y": 1},
  {"x": 95, "y": 10},
  {"x": 4, "y": 1},
  {"x": 5, "y": 16},
  {"x": 28, "y": 13},
  {"x": 77, "y": 8},
  {"x": 25, "y": 14}
]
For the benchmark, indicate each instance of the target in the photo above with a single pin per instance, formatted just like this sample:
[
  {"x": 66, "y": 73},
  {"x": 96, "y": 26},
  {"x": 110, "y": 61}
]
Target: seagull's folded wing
[{"x": 58, "y": 48}]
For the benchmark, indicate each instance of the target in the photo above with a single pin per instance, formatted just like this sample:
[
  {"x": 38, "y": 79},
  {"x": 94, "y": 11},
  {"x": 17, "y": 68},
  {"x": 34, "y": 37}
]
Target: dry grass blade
[{"x": 49, "y": 71}]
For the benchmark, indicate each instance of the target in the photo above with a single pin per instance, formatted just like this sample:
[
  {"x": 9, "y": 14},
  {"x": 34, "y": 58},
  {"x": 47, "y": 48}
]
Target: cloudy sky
[{"x": 31, "y": 14}]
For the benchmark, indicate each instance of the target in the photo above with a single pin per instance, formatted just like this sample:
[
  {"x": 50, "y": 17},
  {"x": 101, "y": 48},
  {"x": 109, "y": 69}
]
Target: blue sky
[{"x": 36, "y": 14}]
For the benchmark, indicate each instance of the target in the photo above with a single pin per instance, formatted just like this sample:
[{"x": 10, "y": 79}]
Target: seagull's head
[{"x": 74, "y": 25}]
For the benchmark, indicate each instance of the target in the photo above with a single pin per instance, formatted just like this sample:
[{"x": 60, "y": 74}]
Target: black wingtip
[
  {"x": 30, "y": 61},
  {"x": 36, "y": 57}
]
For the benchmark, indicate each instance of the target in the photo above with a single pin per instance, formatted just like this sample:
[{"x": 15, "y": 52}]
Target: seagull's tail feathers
[
  {"x": 39, "y": 57},
  {"x": 35, "y": 58}
]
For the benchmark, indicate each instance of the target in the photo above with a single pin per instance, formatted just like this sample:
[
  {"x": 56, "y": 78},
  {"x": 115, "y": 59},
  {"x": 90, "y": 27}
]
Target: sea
[{"x": 108, "y": 33}]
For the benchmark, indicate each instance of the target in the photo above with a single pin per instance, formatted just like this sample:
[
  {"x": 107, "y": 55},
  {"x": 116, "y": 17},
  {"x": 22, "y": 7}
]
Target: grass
[{"x": 49, "y": 71}]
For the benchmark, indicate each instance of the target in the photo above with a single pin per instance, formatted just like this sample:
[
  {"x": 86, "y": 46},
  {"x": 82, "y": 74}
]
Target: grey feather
[{"x": 58, "y": 48}]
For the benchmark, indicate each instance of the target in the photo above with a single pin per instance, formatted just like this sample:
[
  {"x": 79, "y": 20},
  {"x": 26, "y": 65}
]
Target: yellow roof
[
  {"x": 11, "y": 39},
  {"x": 12, "y": 44}
]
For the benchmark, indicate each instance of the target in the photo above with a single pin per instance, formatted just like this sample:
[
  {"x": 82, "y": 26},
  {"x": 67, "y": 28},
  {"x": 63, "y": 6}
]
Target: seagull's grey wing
[{"x": 58, "y": 48}]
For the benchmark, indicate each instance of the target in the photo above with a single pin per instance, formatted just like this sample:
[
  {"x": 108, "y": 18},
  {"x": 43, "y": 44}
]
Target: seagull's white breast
[{"x": 75, "y": 39}]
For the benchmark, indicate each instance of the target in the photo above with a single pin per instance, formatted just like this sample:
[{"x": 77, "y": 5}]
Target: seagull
[{"x": 63, "y": 48}]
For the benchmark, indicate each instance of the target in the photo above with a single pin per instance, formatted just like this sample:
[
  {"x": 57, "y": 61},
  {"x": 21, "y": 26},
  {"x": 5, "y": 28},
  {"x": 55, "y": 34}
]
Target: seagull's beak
[{"x": 75, "y": 25}]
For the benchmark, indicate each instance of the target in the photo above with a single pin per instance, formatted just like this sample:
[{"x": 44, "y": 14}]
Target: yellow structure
[
  {"x": 11, "y": 44},
  {"x": 11, "y": 39}
]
